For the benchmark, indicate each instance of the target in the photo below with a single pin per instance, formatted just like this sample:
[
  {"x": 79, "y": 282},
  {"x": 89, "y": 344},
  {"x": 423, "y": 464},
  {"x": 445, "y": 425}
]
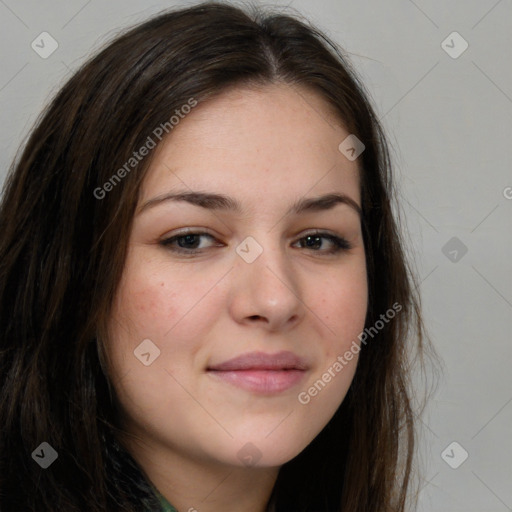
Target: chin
[{"x": 261, "y": 452}]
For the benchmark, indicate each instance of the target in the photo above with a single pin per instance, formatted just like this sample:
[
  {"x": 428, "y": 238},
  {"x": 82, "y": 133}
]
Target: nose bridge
[
  {"x": 265, "y": 280},
  {"x": 263, "y": 255}
]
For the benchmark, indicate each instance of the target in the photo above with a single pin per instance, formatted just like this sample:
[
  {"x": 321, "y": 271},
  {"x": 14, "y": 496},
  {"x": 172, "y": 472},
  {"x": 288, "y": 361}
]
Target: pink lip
[{"x": 261, "y": 372}]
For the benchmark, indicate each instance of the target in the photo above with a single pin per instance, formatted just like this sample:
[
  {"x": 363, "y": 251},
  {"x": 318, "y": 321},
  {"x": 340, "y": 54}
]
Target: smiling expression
[{"x": 246, "y": 243}]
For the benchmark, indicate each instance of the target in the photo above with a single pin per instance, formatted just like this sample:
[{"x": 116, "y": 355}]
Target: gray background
[{"x": 450, "y": 123}]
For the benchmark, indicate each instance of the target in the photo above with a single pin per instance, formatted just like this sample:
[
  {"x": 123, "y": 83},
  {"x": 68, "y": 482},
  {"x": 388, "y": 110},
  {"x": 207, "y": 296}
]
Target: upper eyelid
[{"x": 204, "y": 231}]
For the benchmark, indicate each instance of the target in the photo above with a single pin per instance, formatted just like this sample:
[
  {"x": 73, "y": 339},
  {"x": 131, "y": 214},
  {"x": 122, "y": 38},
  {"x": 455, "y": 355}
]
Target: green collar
[{"x": 166, "y": 506}]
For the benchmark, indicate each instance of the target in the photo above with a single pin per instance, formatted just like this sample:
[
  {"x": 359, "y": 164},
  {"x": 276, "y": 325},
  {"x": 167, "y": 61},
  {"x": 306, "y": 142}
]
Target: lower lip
[{"x": 261, "y": 381}]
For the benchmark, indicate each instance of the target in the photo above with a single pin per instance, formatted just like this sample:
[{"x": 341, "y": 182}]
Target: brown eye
[
  {"x": 314, "y": 242},
  {"x": 186, "y": 243}
]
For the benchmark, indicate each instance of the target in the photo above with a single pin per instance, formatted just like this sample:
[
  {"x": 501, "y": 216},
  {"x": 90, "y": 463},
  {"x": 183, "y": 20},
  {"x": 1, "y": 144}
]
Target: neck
[{"x": 191, "y": 485}]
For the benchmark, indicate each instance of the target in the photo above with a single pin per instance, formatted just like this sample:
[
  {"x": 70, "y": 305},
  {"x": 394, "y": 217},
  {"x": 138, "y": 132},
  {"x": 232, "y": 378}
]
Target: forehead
[{"x": 276, "y": 140}]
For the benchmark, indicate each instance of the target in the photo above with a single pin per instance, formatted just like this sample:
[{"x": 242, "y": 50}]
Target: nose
[{"x": 267, "y": 291}]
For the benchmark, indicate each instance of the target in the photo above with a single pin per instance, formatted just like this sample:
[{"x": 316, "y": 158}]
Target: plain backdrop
[{"x": 448, "y": 113}]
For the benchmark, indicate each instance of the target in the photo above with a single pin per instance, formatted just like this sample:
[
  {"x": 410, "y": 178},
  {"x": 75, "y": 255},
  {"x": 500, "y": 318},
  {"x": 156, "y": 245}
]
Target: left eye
[
  {"x": 338, "y": 243},
  {"x": 188, "y": 243}
]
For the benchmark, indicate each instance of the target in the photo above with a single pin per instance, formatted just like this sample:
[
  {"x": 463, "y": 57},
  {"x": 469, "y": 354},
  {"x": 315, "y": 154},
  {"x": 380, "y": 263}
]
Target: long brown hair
[{"x": 63, "y": 248}]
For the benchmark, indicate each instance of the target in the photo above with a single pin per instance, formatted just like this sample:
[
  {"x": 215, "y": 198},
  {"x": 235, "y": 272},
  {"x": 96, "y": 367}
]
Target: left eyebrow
[
  {"x": 321, "y": 203},
  {"x": 213, "y": 201}
]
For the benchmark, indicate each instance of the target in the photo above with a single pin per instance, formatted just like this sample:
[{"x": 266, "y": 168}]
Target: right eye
[{"x": 185, "y": 243}]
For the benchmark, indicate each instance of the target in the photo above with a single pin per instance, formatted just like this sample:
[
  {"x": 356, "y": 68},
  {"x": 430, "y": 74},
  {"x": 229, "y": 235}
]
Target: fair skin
[{"x": 267, "y": 148}]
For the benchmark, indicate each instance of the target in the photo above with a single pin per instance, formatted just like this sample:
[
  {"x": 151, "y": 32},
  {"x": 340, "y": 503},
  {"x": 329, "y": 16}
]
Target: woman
[{"x": 204, "y": 299}]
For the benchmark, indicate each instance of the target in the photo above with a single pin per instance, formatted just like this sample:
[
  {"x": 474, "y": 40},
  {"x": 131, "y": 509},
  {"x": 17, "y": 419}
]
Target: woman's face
[{"x": 247, "y": 281}]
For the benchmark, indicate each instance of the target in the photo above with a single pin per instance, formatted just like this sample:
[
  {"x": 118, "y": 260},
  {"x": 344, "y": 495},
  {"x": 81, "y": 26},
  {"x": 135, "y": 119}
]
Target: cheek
[
  {"x": 344, "y": 303},
  {"x": 153, "y": 302},
  {"x": 148, "y": 305}
]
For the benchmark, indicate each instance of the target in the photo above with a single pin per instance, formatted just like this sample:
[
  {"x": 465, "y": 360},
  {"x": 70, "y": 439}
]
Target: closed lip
[{"x": 285, "y": 360}]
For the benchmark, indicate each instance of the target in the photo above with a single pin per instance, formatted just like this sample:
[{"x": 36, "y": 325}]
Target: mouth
[{"x": 260, "y": 372}]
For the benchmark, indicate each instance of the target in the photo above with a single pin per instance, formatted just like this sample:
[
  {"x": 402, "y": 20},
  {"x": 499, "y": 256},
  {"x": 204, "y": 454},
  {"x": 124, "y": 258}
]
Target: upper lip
[{"x": 262, "y": 361}]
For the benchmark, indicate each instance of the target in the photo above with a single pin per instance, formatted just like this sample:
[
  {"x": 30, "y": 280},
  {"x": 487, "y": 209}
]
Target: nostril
[{"x": 255, "y": 317}]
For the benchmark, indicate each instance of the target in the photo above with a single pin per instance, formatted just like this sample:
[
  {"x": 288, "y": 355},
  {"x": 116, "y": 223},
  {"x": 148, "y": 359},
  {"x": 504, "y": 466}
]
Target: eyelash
[{"x": 340, "y": 244}]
